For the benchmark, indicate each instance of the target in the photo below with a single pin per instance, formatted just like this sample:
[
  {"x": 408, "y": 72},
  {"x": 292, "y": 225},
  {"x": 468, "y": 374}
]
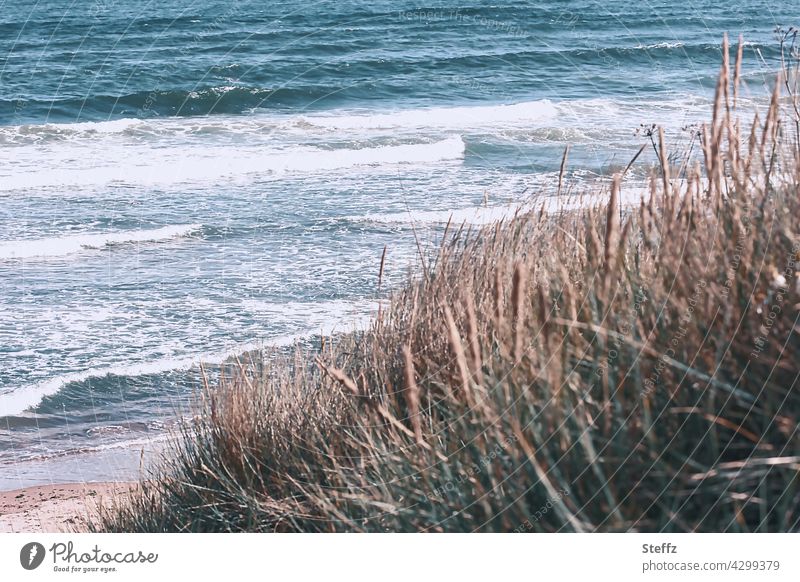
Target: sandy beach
[{"x": 56, "y": 508}]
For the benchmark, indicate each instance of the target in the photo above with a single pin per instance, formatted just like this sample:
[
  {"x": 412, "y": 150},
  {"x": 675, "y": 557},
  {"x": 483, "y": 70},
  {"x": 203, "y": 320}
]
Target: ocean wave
[
  {"x": 68, "y": 245},
  {"x": 210, "y": 163},
  {"x": 541, "y": 115},
  {"x": 354, "y": 125},
  {"x": 105, "y": 430},
  {"x": 440, "y": 117},
  {"x": 477, "y": 215},
  {"x": 659, "y": 45},
  {"x": 314, "y": 159},
  {"x": 19, "y": 400},
  {"x": 43, "y": 132},
  {"x": 150, "y": 443},
  {"x": 590, "y": 193},
  {"x": 327, "y": 318},
  {"x": 223, "y": 99}
]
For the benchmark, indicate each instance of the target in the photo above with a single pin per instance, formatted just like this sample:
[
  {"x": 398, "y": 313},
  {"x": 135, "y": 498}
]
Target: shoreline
[
  {"x": 58, "y": 508},
  {"x": 117, "y": 464}
]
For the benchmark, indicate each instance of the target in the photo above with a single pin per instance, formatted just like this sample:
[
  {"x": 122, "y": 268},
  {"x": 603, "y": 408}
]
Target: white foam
[
  {"x": 452, "y": 118},
  {"x": 144, "y": 166},
  {"x": 659, "y": 45},
  {"x": 20, "y": 400},
  {"x": 68, "y": 245},
  {"x": 150, "y": 443},
  {"x": 310, "y": 160},
  {"x": 327, "y": 318},
  {"x": 108, "y": 127},
  {"x": 272, "y": 128},
  {"x": 469, "y": 215},
  {"x": 631, "y": 193},
  {"x": 441, "y": 117},
  {"x": 41, "y": 132}
]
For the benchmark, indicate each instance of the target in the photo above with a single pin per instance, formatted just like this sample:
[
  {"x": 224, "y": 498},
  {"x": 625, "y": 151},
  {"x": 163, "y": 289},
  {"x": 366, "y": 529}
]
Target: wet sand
[{"x": 57, "y": 508}]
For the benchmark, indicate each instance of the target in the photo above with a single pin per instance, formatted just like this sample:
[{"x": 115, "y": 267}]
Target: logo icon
[{"x": 31, "y": 555}]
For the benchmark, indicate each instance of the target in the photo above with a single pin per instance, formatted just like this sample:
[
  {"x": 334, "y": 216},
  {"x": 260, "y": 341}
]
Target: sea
[{"x": 186, "y": 181}]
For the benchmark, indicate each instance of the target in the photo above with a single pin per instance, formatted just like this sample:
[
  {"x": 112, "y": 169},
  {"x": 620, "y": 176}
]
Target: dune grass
[{"x": 614, "y": 368}]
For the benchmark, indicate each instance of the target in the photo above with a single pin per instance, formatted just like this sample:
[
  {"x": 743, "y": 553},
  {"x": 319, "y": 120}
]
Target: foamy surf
[
  {"x": 213, "y": 163},
  {"x": 477, "y": 215},
  {"x": 313, "y": 160},
  {"x": 271, "y": 128},
  {"x": 454, "y": 118},
  {"x": 19, "y": 400},
  {"x": 458, "y": 118},
  {"x": 660, "y": 45},
  {"x": 330, "y": 317},
  {"x": 56, "y": 247},
  {"x": 134, "y": 446},
  {"x": 589, "y": 194}
]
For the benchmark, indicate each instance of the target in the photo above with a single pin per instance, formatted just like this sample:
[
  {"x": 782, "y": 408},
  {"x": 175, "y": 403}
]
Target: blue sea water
[{"x": 185, "y": 181}]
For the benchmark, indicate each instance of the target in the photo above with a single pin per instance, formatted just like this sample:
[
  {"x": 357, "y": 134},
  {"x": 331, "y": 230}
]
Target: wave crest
[{"x": 67, "y": 245}]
